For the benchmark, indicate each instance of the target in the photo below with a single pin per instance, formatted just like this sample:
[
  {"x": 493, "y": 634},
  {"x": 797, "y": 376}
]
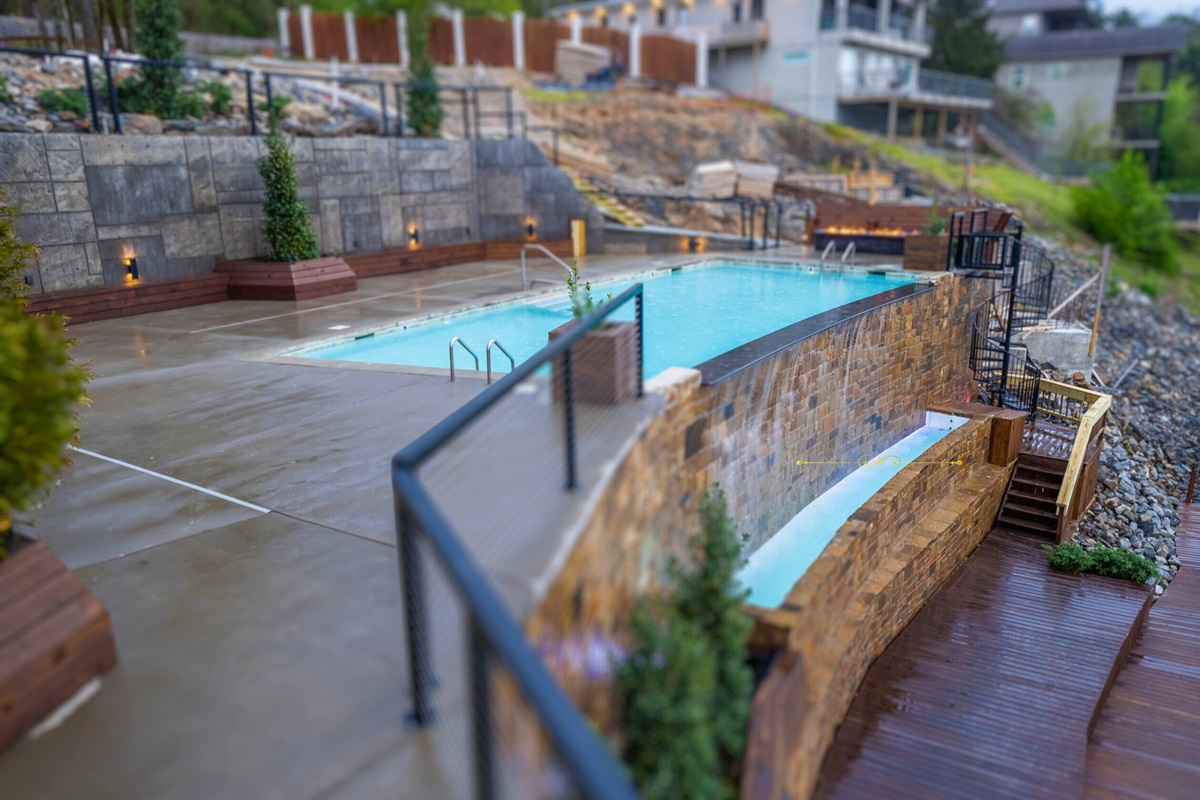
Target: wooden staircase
[
  {"x": 1029, "y": 504},
  {"x": 609, "y": 206}
]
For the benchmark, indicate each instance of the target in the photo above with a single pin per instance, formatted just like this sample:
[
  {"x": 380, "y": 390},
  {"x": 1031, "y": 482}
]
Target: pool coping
[{"x": 741, "y": 358}]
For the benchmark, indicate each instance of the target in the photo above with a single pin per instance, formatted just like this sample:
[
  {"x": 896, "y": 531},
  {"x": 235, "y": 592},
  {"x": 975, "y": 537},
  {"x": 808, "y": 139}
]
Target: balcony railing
[
  {"x": 947, "y": 83},
  {"x": 863, "y": 17},
  {"x": 726, "y": 33}
]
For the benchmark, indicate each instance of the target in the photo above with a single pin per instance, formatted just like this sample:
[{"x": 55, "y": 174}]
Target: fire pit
[{"x": 877, "y": 241}]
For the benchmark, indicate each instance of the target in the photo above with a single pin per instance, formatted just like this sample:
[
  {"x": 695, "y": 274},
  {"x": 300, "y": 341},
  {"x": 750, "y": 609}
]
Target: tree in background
[
  {"x": 1180, "y": 159},
  {"x": 962, "y": 43},
  {"x": 1122, "y": 206},
  {"x": 425, "y": 111},
  {"x": 1187, "y": 61},
  {"x": 157, "y": 38}
]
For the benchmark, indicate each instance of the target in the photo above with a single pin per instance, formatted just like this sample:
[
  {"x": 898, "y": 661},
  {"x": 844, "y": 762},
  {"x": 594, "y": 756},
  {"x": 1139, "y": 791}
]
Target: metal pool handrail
[
  {"x": 832, "y": 246},
  {"x": 561, "y": 263},
  {"x": 851, "y": 251},
  {"x": 512, "y": 364},
  {"x": 466, "y": 347}
]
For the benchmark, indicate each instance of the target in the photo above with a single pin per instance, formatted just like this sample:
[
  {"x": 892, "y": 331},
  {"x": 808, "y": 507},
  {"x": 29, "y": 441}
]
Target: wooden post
[
  {"x": 460, "y": 42},
  {"x": 351, "y": 37},
  {"x": 402, "y": 37},
  {"x": 306, "y": 34},
  {"x": 518, "y": 36},
  {"x": 702, "y": 60},
  {"x": 285, "y": 42},
  {"x": 1099, "y": 297},
  {"x": 635, "y": 50}
]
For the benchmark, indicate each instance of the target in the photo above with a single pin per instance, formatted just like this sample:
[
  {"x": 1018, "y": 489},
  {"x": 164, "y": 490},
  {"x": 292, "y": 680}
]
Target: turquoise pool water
[
  {"x": 692, "y": 315},
  {"x": 774, "y": 568}
]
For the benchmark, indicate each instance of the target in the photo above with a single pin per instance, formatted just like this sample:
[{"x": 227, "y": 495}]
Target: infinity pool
[
  {"x": 773, "y": 569},
  {"x": 691, "y": 315}
]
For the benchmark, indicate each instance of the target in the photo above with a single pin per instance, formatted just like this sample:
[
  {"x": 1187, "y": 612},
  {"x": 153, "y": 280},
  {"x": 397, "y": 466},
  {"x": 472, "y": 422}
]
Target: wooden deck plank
[
  {"x": 1147, "y": 739},
  {"x": 988, "y": 693}
]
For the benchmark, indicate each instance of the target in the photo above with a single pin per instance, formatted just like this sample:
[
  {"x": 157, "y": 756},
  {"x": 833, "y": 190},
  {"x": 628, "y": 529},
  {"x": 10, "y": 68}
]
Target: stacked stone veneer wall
[
  {"x": 180, "y": 204},
  {"x": 843, "y": 393},
  {"x": 880, "y": 568}
]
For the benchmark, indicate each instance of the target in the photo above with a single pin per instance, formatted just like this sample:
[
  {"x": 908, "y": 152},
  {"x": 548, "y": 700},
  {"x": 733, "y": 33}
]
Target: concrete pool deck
[{"x": 258, "y": 623}]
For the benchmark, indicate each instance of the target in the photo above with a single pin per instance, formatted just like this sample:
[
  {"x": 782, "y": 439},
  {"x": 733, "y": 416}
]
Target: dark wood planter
[
  {"x": 288, "y": 280},
  {"x": 925, "y": 251},
  {"x": 604, "y": 363},
  {"x": 55, "y": 636}
]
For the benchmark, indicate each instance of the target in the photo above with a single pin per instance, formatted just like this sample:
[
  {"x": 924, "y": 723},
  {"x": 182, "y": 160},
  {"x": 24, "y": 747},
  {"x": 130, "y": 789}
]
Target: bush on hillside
[
  {"x": 156, "y": 38},
  {"x": 1107, "y": 561},
  {"x": 1122, "y": 206}
]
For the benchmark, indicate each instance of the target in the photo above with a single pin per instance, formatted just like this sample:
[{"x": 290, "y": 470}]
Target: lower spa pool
[
  {"x": 774, "y": 568},
  {"x": 692, "y": 314}
]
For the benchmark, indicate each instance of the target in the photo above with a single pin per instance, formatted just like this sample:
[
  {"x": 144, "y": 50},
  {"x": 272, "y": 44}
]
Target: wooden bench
[{"x": 129, "y": 299}]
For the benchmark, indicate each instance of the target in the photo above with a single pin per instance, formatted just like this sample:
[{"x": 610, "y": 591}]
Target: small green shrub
[
  {"x": 1122, "y": 206},
  {"x": 664, "y": 693},
  {"x": 935, "y": 225},
  {"x": 66, "y": 100},
  {"x": 288, "y": 228},
  {"x": 189, "y": 104},
  {"x": 5, "y": 97},
  {"x": 582, "y": 302},
  {"x": 1107, "y": 561},
  {"x": 278, "y": 103},
  {"x": 40, "y": 388},
  {"x": 683, "y": 695},
  {"x": 15, "y": 255},
  {"x": 221, "y": 96},
  {"x": 425, "y": 112}
]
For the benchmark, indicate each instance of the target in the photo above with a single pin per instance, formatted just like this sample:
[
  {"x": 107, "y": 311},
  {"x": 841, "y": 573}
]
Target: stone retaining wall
[
  {"x": 180, "y": 204},
  {"x": 843, "y": 393}
]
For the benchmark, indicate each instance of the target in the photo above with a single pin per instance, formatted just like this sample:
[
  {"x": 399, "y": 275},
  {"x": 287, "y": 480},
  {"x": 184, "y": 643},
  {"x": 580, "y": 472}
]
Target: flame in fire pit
[{"x": 858, "y": 230}]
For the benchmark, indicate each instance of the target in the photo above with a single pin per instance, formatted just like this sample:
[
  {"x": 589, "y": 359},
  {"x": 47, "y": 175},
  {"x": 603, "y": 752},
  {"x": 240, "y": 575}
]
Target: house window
[
  {"x": 756, "y": 9},
  {"x": 682, "y": 15},
  {"x": 1018, "y": 77},
  {"x": 1030, "y": 24},
  {"x": 1058, "y": 71},
  {"x": 662, "y": 18},
  {"x": 737, "y": 12}
]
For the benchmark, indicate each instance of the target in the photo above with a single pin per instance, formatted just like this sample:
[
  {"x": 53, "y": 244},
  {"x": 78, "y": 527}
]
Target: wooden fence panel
[
  {"x": 607, "y": 37},
  {"x": 668, "y": 59},
  {"x": 295, "y": 35},
  {"x": 488, "y": 40},
  {"x": 441, "y": 40},
  {"x": 377, "y": 40},
  {"x": 540, "y": 38},
  {"x": 329, "y": 36}
]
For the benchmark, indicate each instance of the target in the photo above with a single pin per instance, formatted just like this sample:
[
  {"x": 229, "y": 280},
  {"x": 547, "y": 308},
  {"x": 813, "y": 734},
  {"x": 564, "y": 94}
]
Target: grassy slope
[{"x": 1047, "y": 206}]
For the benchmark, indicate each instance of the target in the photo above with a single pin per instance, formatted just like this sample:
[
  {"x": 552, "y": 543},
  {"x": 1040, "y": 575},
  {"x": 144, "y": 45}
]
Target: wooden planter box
[
  {"x": 55, "y": 636},
  {"x": 604, "y": 363},
  {"x": 925, "y": 251},
  {"x": 288, "y": 280}
]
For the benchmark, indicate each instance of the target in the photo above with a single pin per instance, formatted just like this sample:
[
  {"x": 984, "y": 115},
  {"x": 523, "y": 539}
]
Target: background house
[
  {"x": 1088, "y": 83},
  {"x": 857, "y": 63}
]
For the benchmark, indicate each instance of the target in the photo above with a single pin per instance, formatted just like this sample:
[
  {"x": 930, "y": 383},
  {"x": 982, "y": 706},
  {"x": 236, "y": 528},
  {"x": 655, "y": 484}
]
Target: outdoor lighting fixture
[
  {"x": 131, "y": 268},
  {"x": 530, "y": 231},
  {"x": 693, "y": 244},
  {"x": 414, "y": 238}
]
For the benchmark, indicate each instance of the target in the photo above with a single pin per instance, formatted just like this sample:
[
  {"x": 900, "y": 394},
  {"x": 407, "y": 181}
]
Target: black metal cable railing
[
  {"x": 477, "y": 683},
  {"x": 462, "y": 104}
]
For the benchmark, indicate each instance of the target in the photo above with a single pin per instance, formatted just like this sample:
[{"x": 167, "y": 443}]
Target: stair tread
[
  {"x": 1043, "y": 498},
  {"x": 1025, "y": 524},
  {"x": 1032, "y": 482},
  {"x": 1020, "y": 508}
]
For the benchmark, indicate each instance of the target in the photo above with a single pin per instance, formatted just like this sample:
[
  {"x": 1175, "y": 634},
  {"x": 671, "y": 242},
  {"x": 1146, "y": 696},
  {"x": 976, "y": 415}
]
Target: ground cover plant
[{"x": 1106, "y": 561}]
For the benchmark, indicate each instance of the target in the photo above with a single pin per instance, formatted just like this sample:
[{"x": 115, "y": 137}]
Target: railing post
[
  {"x": 250, "y": 106},
  {"x": 399, "y": 87},
  {"x": 383, "y": 123},
  {"x": 462, "y": 94},
  {"x": 508, "y": 112},
  {"x": 269, "y": 95},
  {"x": 641, "y": 353},
  {"x": 91, "y": 93},
  {"x": 416, "y": 622},
  {"x": 112, "y": 96},
  {"x": 481, "y": 714},
  {"x": 569, "y": 417}
]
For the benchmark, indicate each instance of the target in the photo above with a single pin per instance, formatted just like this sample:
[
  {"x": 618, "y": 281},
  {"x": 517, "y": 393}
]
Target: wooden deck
[
  {"x": 991, "y": 689},
  {"x": 1147, "y": 739},
  {"x": 1049, "y": 440}
]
